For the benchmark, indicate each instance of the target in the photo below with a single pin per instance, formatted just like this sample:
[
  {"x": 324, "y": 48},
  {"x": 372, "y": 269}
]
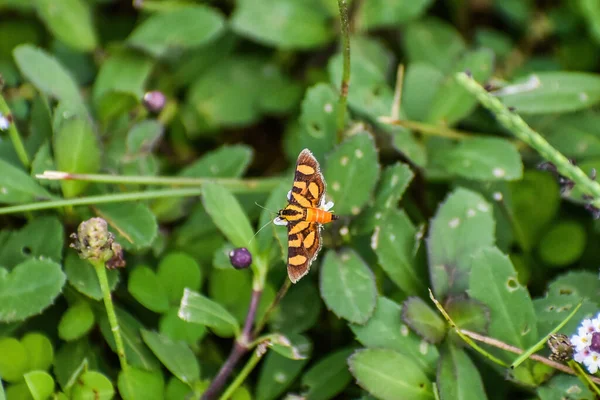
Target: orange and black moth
[{"x": 304, "y": 215}]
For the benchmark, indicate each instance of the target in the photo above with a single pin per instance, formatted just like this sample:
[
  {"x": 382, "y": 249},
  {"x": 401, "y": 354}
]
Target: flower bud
[
  {"x": 240, "y": 258},
  {"x": 93, "y": 241},
  {"x": 154, "y": 101},
  {"x": 560, "y": 347}
]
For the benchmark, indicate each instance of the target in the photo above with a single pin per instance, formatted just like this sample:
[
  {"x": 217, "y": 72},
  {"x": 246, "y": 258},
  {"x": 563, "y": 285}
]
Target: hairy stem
[
  {"x": 515, "y": 124},
  {"x": 240, "y": 347},
  {"x": 345, "y": 84}
]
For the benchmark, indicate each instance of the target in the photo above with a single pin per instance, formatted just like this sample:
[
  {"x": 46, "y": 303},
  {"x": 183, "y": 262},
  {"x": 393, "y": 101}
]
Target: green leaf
[
  {"x": 39, "y": 349},
  {"x": 348, "y": 286},
  {"x": 579, "y": 283},
  {"x": 483, "y": 159},
  {"x": 434, "y": 42},
  {"x": 228, "y": 161},
  {"x": 137, "y": 353},
  {"x": 177, "y": 357},
  {"x": 468, "y": 314},
  {"x": 385, "y": 330},
  {"x": 554, "y": 308},
  {"x": 317, "y": 121},
  {"x": 93, "y": 385},
  {"x": 14, "y": 362},
  {"x": 294, "y": 346},
  {"x": 172, "y": 326},
  {"x": 228, "y": 215},
  {"x": 406, "y": 143},
  {"x": 134, "y": 223},
  {"x": 452, "y": 102},
  {"x": 493, "y": 282},
  {"x": 299, "y": 310},
  {"x": 202, "y": 310},
  {"x": 352, "y": 171},
  {"x": 83, "y": 277},
  {"x": 148, "y": 289},
  {"x": 387, "y": 374},
  {"x": 176, "y": 271},
  {"x": 395, "y": 243},
  {"x": 392, "y": 185},
  {"x": 530, "y": 215},
  {"x": 285, "y": 24},
  {"x": 564, "y": 386},
  {"x": 77, "y": 150},
  {"x": 178, "y": 29},
  {"x": 552, "y": 92},
  {"x": 70, "y": 21},
  {"x": 47, "y": 74},
  {"x": 142, "y": 138},
  {"x": 276, "y": 374},
  {"x": 328, "y": 376},
  {"x": 140, "y": 384},
  {"x": 421, "y": 83},
  {"x": 425, "y": 321},
  {"x": 18, "y": 187},
  {"x": 457, "y": 377},
  {"x": 462, "y": 225},
  {"x": 390, "y": 13},
  {"x": 575, "y": 135},
  {"x": 76, "y": 322},
  {"x": 120, "y": 83},
  {"x": 71, "y": 360},
  {"x": 563, "y": 244},
  {"x": 37, "y": 280},
  {"x": 40, "y": 384}
]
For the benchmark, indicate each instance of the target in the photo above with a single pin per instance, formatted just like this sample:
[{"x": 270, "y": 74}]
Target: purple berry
[
  {"x": 154, "y": 101},
  {"x": 240, "y": 258}
]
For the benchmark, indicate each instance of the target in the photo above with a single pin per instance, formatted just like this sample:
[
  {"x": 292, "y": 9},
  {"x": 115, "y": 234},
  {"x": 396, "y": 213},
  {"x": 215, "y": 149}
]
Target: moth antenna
[
  {"x": 264, "y": 208},
  {"x": 261, "y": 228}
]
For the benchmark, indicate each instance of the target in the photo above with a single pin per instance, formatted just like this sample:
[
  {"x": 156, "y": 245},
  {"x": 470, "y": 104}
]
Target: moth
[{"x": 304, "y": 215}]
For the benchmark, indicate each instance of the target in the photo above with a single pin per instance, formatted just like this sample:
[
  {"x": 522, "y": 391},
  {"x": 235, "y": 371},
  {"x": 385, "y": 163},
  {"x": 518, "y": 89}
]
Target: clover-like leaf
[
  {"x": 352, "y": 171},
  {"x": 82, "y": 276},
  {"x": 348, "y": 286},
  {"x": 421, "y": 318},
  {"x": 458, "y": 378},
  {"x": 462, "y": 225},
  {"x": 552, "y": 92},
  {"x": 138, "y": 383},
  {"x": 328, "y": 376},
  {"x": 202, "y": 310},
  {"x": 145, "y": 286},
  {"x": 386, "y": 330},
  {"x": 18, "y": 187},
  {"x": 389, "y": 375},
  {"x": 176, "y": 356},
  {"x": 29, "y": 288},
  {"x": 135, "y": 224},
  {"x": 177, "y": 29},
  {"x": 70, "y": 21}
]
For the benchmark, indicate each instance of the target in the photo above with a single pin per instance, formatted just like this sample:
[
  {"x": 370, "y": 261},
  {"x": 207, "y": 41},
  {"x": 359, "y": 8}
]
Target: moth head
[{"x": 280, "y": 219}]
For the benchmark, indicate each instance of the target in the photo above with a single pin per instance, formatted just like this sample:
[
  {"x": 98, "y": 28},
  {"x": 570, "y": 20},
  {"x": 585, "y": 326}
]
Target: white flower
[{"x": 586, "y": 344}]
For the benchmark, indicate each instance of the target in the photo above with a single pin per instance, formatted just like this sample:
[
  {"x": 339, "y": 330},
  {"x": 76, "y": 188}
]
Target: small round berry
[
  {"x": 154, "y": 101},
  {"x": 240, "y": 258}
]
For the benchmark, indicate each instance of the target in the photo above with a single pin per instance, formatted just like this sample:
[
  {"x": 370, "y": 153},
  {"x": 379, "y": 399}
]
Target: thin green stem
[
  {"x": 345, "y": 84},
  {"x": 542, "y": 343},
  {"x": 241, "y": 377},
  {"x": 280, "y": 294},
  {"x": 585, "y": 378},
  {"x": 14, "y": 133},
  {"x": 464, "y": 337},
  {"x": 112, "y": 317},
  {"x": 522, "y": 131},
  {"x": 427, "y": 129},
  {"x": 233, "y": 184}
]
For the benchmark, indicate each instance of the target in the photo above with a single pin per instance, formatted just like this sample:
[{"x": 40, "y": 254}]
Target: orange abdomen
[{"x": 320, "y": 216}]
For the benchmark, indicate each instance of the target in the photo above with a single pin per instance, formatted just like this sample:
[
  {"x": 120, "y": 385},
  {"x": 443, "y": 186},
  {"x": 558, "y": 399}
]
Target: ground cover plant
[{"x": 146, "y": 147}]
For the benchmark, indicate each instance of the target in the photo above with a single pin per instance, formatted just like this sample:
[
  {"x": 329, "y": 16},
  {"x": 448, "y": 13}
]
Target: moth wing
[
  {"x": 303, "y": 248},
  {"x": 308, "y": 181}
]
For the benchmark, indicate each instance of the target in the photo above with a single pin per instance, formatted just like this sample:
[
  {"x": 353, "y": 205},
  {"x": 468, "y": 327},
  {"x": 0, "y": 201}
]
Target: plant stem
[
  {"x": 345, "y": 84},
  {"x": 112, "y": 318},
  {"x": 585, "y": 378},
  {"x": 233, "y": 184},
  {"x": 507, "y": 347},
  {"x": 522, "y": 131},
  {"x": 14, "y": 133},
  {"x": 282, "y": 291},
  {"x": 240, "y": 347},
  {"x": 254, "y": 359},
  {"x": 539, "y": 345},
  {"x": 427, "y": 129}
]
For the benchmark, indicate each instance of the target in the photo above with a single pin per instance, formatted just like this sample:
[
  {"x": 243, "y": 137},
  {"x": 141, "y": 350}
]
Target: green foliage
[{"x": 180, "y": 120}]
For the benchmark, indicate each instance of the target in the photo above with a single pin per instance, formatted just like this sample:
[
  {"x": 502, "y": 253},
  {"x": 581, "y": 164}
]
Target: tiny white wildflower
[
  {"x": 592, "y": 362},
  {"x": 4, "y": 122},
  {"x": 586, "y": 344}
]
